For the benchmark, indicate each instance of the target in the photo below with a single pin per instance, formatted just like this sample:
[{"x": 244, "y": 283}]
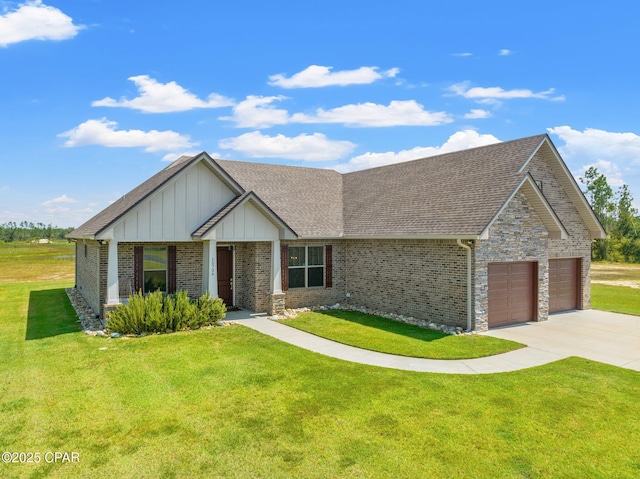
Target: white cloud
[
  {"x": 616, "y": 155},
  {"x": 598, "y": 144},
  {"x": 313, "y": 147},
  {"x": 397, "y": 113},
  {"x": 257, "y": 112},
  {"x": 158, "y": 97},
  {"x": 460, "y": 140},
  {"x": 493, "y": 95},
  {"x": 35, "y": 21},
  {"x": 103, "y": 132},
  {"x": 475, "y": 114},
  {"x": 464, "y": 54},
  {"x": 174, "y": 156},
  {"x": 504, "y": 52},
  {"x": 316, "y": 76},
  {"x": 59, "y": 199}
]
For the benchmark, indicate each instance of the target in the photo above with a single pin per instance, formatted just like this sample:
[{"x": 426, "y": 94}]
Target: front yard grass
[
  {"x": 230, "y": 402},
  {"x": 615, "y": 287},
  {"x": 386, "y": 336}
]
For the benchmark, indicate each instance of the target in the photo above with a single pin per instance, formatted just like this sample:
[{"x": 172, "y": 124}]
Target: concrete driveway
[{"x": 610, "y": 338}]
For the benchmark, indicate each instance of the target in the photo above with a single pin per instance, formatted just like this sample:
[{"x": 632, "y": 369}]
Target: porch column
[
  {"x": 276, "y": 272},
  {"x": 277, "y": 295},
  {"x": 113, "y": 287},
  {"x": 212, "y": 276}
]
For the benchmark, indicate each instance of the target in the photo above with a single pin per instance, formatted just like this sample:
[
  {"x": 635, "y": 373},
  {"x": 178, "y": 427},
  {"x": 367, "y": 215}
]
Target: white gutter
[{"x": 468, "y": 248}]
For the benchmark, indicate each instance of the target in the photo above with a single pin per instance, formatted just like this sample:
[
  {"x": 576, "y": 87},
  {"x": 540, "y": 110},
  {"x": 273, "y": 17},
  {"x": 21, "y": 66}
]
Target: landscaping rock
[
  {"x": 87, "y": 318},
  {"x": 292, "y": 313}
]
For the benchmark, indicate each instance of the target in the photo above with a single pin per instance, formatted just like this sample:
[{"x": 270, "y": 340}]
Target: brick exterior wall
[
  {"x": 426, "y": 279},
  {"x": 578, "y": 245},
  {"x": 88, "y": 272},
  {"x": 253, "y": 276},
  {"x": 300, "y": 297},
  {"x": 517, "y": 234},
  {"x": 188, "y": 267}
]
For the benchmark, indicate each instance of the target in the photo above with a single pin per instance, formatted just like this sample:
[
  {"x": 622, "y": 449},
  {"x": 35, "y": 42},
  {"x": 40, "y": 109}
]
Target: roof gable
[
  {"x": 540, "y": 205},
  {"x": 568, "y": 183},
  {"x": 102, "y": 225},
  {"x": 245, "y": 224}
]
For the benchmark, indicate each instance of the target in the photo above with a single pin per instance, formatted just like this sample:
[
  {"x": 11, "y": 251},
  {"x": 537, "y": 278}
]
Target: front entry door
[{"x": 225, "y": 275}]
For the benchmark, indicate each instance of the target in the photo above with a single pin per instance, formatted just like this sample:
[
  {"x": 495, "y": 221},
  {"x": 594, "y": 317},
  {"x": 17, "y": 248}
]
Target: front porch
[{"x": 245, "y": 274}]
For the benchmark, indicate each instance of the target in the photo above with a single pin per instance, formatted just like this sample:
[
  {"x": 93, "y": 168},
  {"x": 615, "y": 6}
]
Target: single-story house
[{"x": 479, "y": 238}]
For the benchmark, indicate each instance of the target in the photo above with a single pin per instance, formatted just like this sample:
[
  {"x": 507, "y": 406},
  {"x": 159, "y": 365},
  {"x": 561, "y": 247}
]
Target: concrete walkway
[
  {"x": 511, "y": 361},
  {"x": 597, "y": 335}
]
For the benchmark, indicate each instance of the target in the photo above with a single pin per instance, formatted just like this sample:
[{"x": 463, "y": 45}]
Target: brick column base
[{"x": 277, "y": 303}]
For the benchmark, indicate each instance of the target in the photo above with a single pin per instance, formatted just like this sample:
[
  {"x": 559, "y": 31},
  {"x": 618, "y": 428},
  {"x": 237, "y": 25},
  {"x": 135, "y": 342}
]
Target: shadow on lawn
[
  {"x": 50, "y": 314},
  {"x": 387, "y": 325}
]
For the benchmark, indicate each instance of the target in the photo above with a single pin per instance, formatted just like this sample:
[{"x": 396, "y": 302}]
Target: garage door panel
[
  {"x": 511, "y": 293},
  {"x": 564, "y": 284}
]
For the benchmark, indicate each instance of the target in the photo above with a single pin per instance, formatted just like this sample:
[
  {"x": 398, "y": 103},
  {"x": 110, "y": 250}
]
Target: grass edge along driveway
[{"x": 387, "y": 336}]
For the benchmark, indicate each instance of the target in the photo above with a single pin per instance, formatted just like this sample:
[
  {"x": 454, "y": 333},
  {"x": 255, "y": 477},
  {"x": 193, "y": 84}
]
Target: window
[
  {"x": 306, "y": 266},
  {"x": 155, "y": 268}
]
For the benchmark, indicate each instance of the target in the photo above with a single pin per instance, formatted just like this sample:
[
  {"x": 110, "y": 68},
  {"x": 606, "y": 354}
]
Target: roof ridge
[
  {"x": 274, "y": 165},
  {"x": 465, "y": 150}
]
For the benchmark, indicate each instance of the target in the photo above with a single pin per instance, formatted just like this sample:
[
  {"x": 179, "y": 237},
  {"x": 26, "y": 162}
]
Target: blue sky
[{"x": 96, "y": 96}]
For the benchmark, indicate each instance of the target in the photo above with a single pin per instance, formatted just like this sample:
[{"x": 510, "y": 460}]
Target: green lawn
[
  {"x": 387, "y": 336},
  {"x": 230, "y": 402},
  {"x": 619, "y": 299},
  {"x": 615, "y": 287}
]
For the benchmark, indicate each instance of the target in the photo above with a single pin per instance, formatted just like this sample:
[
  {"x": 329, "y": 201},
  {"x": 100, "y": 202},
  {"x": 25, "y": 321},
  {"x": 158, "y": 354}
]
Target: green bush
[
  {"x": 185, "y": 312},
  {"x": 156, "y": 313},
  {"x": 209, "y": 310}
]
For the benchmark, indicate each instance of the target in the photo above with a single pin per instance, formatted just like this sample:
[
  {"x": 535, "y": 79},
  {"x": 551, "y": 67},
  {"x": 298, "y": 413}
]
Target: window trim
[
  {"x": 166, "y": 269},
  {"x": 306, "y": 267}
]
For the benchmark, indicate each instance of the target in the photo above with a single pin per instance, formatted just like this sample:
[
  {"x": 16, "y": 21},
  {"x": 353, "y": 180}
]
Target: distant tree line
[
  {"x": 27, "y": 231},
  {"x": 618, "y": 216}
]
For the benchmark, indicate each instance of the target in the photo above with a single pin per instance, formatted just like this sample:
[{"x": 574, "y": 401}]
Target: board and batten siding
[
  {"x": 245, "y": 223},
  {"x": 177, "y": 209}
]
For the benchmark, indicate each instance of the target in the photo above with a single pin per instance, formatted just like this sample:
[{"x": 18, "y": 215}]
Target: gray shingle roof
[
  {"x": 452, "y": 194},
  {"x": 309, "y": 200},
  {"x": 455, "y": 194}
]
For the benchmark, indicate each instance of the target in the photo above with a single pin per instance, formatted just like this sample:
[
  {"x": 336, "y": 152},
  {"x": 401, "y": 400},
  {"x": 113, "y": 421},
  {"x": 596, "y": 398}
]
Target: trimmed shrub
[
  {"x": 156, "y": 312},
  {"x": 185, "y": 312},
  {"x": 210, "y": 310}
]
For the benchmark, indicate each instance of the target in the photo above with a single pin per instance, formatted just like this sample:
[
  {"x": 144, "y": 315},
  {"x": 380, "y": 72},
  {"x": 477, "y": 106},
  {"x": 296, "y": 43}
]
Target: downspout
[{"x": 468, "y": 248}]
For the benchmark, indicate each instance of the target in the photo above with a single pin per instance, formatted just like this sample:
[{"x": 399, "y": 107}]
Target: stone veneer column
[{"x": 277, "y": 303}]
